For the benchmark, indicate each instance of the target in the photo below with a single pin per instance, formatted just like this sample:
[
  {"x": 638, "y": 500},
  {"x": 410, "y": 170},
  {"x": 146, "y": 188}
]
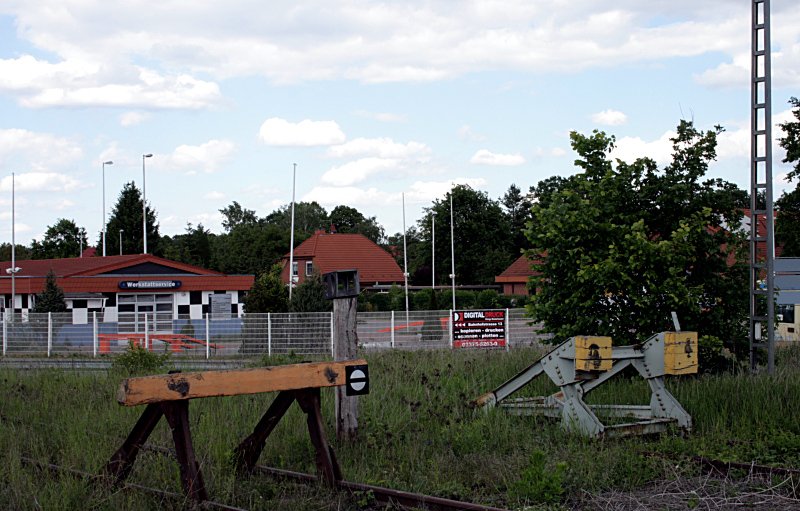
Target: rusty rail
[{"x": 383, "y": 495}]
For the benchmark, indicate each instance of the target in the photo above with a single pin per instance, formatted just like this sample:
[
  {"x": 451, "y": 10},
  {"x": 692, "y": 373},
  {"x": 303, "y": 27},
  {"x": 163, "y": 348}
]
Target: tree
[
  {"x": 518, "y": 209},
  {"x": 193, "y": 247},
  {"x": 268, "y": 294},
  {"x": 20, "y": 252},
  {"x": 481, "y": 230},
  {"x": 309, "y": 296},
  {"x": 51, "y": 299},
  {"x": 235, "y": 215},
  {"x": 64, "y": 239},
  {"x": 623, "y": 245},
  {"x": 349, "y": 220},
  {"x": 308, "y": 217},
  {"x": 787, "y": 222},
  {"x": 249, "y": 248},
  {"x": 126, "y": 217},
  {"x": 791, "y": 142}
]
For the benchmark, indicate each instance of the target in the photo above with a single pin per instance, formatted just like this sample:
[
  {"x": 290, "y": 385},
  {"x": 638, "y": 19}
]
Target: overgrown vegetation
[
  {"x": 137, "y": 360},
  {"x": 416, "y": 434}
]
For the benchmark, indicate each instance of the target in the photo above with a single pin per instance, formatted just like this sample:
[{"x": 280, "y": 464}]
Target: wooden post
[{"x": 345, "y": 341}]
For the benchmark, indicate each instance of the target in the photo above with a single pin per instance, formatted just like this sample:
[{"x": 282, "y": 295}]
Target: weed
[
  {"x": 138, "y": 360},
  {"x": 539, "y": 484}
]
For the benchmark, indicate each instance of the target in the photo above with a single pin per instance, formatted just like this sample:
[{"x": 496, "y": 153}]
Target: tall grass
[{"x": 416, "y": 433}]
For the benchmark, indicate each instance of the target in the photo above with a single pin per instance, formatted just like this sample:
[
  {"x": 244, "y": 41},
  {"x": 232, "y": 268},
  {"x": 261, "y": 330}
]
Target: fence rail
[{"x": 309, "y": 333}]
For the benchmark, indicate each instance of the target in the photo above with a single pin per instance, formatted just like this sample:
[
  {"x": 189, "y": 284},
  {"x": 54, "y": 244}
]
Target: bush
[
  {"x": 538, "y": 483},
  {"x": 138, "y": 360},
  {"x": 712, "y": 355}
]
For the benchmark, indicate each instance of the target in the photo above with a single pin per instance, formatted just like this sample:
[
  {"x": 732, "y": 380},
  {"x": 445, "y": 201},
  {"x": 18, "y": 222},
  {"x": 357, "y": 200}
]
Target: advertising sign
[
  {"x": 149, "y": 284},
  {"x": 479, "y": 329}
]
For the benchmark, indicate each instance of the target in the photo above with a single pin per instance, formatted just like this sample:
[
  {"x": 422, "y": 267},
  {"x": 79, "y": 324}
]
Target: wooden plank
[{"x": 173, "y": 387}]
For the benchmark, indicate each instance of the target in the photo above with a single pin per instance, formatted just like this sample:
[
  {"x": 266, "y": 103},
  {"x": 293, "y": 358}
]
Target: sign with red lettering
[{"x": 479, "y": 329}]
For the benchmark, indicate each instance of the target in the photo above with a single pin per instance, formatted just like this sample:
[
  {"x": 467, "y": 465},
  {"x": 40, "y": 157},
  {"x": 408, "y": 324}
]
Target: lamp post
[
  {"x": 144, "y": 203},
  {"x": 291, "y": 237},
  {"x": 120, "y": 240},
  {"x": 13, "y": 270},
  {"x": 452, "y": 254},
  {"x": 109, "y": 162},
  {"x": 433, "y": 251}
]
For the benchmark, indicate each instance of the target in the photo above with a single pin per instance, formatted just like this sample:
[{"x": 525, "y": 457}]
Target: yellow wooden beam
[{"x": 172, "y": 387}]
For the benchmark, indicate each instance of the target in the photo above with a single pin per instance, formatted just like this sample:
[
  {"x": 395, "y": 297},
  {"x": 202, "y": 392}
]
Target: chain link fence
[{"x": 307, "y": 333}]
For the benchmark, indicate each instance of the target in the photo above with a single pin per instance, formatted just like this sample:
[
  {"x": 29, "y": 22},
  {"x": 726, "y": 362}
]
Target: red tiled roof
[
  {"x": 519, "y": 271},
  {"x": 335, "y": 252},
  {"x": 88, "y": 266},
  {"x": 91, "y": 274}
]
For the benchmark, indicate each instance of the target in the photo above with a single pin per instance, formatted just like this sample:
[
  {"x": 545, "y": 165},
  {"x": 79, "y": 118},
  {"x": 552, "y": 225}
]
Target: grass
[{"x": 416, "y": 434}]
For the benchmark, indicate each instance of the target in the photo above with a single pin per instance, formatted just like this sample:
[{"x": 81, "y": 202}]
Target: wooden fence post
[
  {"x": 345, "y": 346},
  {"x": 343, "y": 287}
]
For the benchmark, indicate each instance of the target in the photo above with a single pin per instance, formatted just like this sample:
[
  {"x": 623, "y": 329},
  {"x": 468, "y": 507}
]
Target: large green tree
[
  {"x": 192, "y": 247},
  {"x": 518, "y": 209},
  {"x": 481, "y": 236},
  {"x": 787, "y": 223},
  {"x": 236, "y": 215},
  {"x": 126, "y": 219},
  {"x": 63, "y": 239},
  {"x": 250, "y": 248},
  {"x": 622, "y": 245},
  {"x": 308, "y": 217},
  {"x": 349, "y": 220}
]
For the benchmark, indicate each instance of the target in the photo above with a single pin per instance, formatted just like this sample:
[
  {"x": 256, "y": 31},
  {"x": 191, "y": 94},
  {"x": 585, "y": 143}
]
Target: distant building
[
  {"x": 515, "y": 278},
  {"x": 121, "y": 289},
  {"x": 325, "y": 252}
]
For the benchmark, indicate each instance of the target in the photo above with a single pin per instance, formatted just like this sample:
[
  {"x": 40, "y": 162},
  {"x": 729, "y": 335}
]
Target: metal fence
[{"x": 308, "y": 333}]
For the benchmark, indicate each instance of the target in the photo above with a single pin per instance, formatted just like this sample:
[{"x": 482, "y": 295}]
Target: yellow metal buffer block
[
  {"x": 680, "y": 353},
  {"x": 592, "y": 353}
]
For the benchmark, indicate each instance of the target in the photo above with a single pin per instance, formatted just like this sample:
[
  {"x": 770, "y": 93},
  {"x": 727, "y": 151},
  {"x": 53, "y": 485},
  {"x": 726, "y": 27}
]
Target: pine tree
[{"x": 51, "y": 299}]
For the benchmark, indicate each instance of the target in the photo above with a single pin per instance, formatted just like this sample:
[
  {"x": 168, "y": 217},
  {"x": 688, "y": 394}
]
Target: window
[
  {"x": 309, "y": 267},
  {"x": 294, "y": 269},
  {"x": 785, "y": 313}
]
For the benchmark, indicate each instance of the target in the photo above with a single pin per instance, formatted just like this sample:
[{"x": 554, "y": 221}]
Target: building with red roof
[
  {"x": 515, "y": 278},
  {"x": 325, "y": 252},
  {"x": 123, "y": 288}
]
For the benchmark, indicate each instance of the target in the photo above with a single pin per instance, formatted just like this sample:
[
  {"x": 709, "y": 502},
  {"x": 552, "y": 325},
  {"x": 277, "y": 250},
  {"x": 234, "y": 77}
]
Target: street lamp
[
  {"x": 144, "y": 203},
  {"x": 14, "y": 269},
  {"x": 452, "y": 254},
  {"x": 109, "y": 162},
  {"x": 433, "y": 251},
  {"x": 120, "y": 240}
]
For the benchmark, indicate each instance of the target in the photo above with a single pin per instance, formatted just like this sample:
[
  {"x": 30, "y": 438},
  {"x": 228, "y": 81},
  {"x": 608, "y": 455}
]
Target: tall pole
[
  {"x": 433, "y": 251},
  {"x": 120, "y": 240},
  {"x": 13, "y": 249},
  {"x": 109, "y": 162},
  {"x": 405, "y": 256},
  {"x": 291, "y": 236},
  {"x": 452, "y": 254},
  {"x": 144, "y": 203}
]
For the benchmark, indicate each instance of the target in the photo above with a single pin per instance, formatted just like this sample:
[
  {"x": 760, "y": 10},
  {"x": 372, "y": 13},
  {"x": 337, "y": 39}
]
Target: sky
[{"x": 376, "y": 103}]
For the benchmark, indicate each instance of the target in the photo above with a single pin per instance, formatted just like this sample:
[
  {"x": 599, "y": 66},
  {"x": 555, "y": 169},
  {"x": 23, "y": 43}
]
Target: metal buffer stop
[{"x": 583, "y": 363}]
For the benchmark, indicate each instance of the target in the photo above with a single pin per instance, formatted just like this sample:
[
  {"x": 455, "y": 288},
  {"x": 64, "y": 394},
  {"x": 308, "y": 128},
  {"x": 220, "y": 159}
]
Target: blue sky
[{"x": 371, "y": 100}]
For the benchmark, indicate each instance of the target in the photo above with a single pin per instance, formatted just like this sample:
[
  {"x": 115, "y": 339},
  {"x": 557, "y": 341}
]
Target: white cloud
[
  {"x": 465, "y": 132},
  {"x": 379, "y": 147},
  {"x": 215, "y": 196},
  {"x": 21, "y": 148},
  {"x": 629, "y": 149},
  {"x": 41, "y": 182},
  {"x": 610, "y": 118},
  {"x": 133, "y": 118},
  {"x": 558, "y": 152},
  {"x": 427, "y": 191},
  {"x": 486, "y": 157},
  {"x": 382, "y": 116},
  {"x": 376, "y": 42},
  {"x": 78, "y": 82},
  {"x": 280, "y": 132},
  {"x": 207, "y": 157},
  {"x": 332, "y": 196},
  {"x": 359, "y": 170}
]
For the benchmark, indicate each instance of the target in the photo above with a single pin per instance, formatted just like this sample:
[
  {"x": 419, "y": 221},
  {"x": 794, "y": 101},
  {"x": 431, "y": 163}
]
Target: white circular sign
[{"x": 358, "y": 374}]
